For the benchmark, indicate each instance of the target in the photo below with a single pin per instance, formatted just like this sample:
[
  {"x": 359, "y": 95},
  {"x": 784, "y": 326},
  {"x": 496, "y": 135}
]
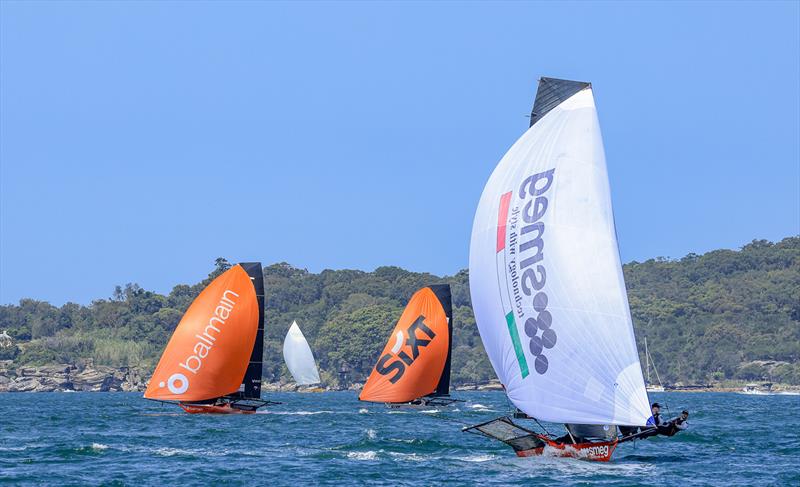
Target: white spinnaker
[
  {"x": 299, "y": 358},
  {"x": 591, "y": 372}
]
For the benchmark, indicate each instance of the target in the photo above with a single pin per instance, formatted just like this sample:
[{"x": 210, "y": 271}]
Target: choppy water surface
[{"x": 331, "y": 438}]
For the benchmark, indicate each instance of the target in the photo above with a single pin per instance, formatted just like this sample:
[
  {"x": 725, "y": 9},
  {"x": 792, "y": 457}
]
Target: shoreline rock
[
  {"x": 64, "y": 377},
  {"x": 87, "y": 377}
]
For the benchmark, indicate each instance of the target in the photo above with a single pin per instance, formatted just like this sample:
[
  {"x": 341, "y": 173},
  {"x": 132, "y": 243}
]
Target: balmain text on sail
[{"x": 205, "y": 341}]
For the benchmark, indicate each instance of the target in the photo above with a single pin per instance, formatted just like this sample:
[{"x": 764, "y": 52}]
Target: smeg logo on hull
[{"x": 396, "y": 362}]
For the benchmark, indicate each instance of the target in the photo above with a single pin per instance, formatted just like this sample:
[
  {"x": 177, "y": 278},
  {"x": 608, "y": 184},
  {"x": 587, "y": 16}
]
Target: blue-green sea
[{"x": 332, "y": 439}]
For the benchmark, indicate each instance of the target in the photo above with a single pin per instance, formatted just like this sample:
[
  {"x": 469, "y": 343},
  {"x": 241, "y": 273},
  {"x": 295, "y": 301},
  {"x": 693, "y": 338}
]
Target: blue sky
[{"x": 139, "y": 141}]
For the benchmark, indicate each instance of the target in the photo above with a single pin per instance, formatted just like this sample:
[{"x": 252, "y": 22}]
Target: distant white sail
[
  {"x": 545, "y": 275},
  {"x": 299, "y": 358}
]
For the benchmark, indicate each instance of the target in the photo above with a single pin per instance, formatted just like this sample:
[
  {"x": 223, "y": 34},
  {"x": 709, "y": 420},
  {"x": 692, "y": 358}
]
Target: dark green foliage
[
  {"x": 723, "y": 315},
  {"x": 9, "y": 353},
  {"x": 355, "y": 338},
  {"x": 708, "y": 316}
]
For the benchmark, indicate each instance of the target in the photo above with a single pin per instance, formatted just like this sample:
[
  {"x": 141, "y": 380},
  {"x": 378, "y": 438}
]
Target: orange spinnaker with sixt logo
[
  {"x": 210, "y": 349},
  {"x": 415, "y": 361}
]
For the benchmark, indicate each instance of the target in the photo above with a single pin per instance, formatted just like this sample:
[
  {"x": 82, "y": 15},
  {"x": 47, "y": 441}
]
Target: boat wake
[
  {"x": 477, "y": 458},
  {"x": 173, "y": 452},
  {"x": 296, "y": 413},
  {"x": 572, "y": 468},
  {"x": 480, "y": 408},
  {"x": 396, "y": 456}
]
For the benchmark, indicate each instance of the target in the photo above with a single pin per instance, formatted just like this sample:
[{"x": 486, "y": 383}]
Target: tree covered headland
[{"x": 722, "y": 315}]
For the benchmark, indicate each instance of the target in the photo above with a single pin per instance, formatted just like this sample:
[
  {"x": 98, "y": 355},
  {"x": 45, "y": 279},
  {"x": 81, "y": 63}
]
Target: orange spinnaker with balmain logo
[
  {"x": 411, "y": 364},
  {"x": 210, "y": 349}
]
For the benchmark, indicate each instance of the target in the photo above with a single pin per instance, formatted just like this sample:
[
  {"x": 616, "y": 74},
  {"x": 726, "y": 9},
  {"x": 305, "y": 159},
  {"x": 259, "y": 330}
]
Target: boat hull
[
  {"x": 595, "y": 451},
  {"x": 213, "y": 409},
  {"x": 427, "y": 402}
]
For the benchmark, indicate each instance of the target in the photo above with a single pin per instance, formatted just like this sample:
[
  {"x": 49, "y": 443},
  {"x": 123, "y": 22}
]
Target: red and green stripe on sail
[{"x": 502, "y": 220}]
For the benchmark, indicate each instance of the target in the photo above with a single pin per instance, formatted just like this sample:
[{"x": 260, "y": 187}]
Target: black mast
[
  {"x": 252, "y": 378},
  {"x": 442, "y": 292}
]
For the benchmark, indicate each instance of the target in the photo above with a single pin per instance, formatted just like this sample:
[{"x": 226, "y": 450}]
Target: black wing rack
[{"x": 510, "y": 433}]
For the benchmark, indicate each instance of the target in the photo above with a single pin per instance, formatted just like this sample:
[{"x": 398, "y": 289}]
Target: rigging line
[
  {"x": 543, "y": 428},
  {"x": 510, "y": 404}
]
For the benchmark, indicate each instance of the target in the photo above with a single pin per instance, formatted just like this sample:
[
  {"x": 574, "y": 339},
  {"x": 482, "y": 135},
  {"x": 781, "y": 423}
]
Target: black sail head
[{"x": 551, "y": 92}]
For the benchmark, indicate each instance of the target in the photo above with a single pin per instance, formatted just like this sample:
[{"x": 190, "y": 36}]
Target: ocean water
[{"x": 332, "y": 439}]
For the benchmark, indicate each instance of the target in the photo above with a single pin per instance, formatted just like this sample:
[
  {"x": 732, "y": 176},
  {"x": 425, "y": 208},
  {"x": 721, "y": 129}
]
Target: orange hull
[
  {"x": 596, "y": 451},
  {"x": 212, "y": 409}
]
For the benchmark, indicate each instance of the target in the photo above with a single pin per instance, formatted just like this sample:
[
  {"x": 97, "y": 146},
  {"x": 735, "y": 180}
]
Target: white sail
[
  {"x": 299, "y": 358},
  {"x": 545, "y": 275}
]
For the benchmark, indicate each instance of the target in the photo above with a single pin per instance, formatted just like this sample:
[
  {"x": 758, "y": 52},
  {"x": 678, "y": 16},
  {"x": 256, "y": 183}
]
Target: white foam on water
[
  {"x": 363, "y": 411},
  {"x": 403, "y": 440},
  {"x": 485, "y": 410},
  {"x": 477, "y": 458},
  {"x": 429, "y": 411},
  {"x": 411, "y": 457},
  {"x": 577, "y": 467},
  {"x": 482, "y": 408},
  {"x": 252, "y": 453},
  {"x": 362, "y": 455},
  {"x": 298, "y": 413},
  {"x": 171, "y": 452},
  {"x": 371, "y": 434},
  {"x": 99, "y": 446}
]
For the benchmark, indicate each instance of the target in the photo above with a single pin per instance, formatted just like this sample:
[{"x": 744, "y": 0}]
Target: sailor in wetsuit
[
  {"x": 674, "y": 425},
  {"x": 655, "y": 420},
  {"x": 657, "y": 426}
]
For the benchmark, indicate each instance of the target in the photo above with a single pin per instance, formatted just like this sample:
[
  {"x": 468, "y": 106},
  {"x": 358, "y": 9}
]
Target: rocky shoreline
[
  {"x": 87, "y": 377},
  {"x": 67, "y": 377}
]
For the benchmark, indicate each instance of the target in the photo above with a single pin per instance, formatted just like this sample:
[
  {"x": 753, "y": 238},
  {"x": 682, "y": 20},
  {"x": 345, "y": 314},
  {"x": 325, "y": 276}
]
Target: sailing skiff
[
  {"x": 548, "y": 291},
  {"x": 213, "y": 362},
  {"x": 414, "y": 368},
  {"x": 300, "y": 360}
]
